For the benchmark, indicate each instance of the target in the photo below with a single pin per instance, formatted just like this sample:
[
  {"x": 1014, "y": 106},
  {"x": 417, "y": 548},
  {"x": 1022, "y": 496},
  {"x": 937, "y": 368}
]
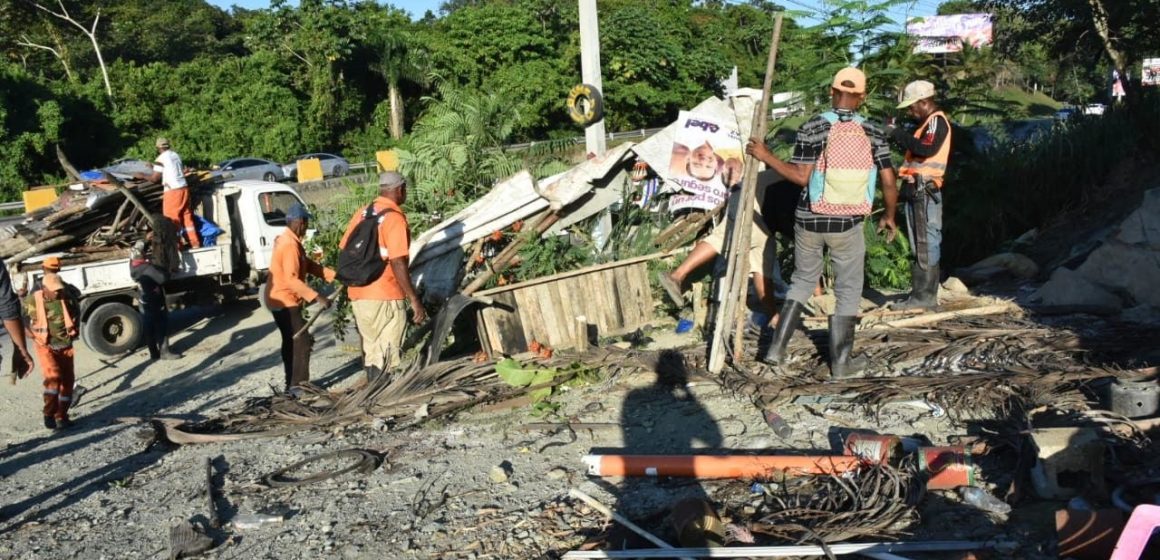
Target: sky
[{"x": 418, "y": 7}]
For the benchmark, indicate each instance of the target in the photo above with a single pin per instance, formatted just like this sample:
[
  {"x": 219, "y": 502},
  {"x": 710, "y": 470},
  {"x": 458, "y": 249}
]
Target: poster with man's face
[{"x": 706, "y": 161}]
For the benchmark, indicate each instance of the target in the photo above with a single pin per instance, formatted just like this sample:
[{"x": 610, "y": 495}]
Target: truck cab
[{"x": 251, "y": 215}]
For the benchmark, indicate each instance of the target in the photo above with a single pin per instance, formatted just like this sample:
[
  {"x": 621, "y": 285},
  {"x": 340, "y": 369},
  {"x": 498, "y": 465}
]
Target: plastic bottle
[
  {"x": 984, "y": 500},
  {"x": 246, "y": 521},
  {"x": 782, "y": 429}
]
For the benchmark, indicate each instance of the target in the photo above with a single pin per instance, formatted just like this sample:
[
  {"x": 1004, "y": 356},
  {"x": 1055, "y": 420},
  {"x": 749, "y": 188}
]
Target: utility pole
[{"x": 590, "y": 71}]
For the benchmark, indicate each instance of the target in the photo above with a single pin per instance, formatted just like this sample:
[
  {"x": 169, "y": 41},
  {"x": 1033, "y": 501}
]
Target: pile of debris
[{"x": 97, "y": 221}]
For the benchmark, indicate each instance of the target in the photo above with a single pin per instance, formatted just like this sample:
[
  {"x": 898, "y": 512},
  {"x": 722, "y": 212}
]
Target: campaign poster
[
  {"x": 1150, "y": 74},
  {"x": 706, "y": 161},
  {"x": 946, "y": 34}
]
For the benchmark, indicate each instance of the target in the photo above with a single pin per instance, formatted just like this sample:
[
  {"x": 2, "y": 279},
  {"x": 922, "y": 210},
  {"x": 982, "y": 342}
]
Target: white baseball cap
[{"x": 918, "y": 89}]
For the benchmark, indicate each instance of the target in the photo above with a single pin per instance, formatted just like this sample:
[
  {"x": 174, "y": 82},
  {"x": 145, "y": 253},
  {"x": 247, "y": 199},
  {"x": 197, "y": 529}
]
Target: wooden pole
[
  {"x": 594, "y": 142},
  {"x": 731, "y": 312}
]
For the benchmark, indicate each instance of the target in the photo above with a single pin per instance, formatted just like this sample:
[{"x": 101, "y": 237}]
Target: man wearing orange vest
[
  {"x": 921, "y": 173},
  {"x": 52, "y": 314}
]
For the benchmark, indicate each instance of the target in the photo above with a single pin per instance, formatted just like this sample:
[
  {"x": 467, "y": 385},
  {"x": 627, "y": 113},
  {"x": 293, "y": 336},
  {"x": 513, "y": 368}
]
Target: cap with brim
[
  {"x": 916, "y": 91},
  {"x": 298, "y": 212},
  {"x": 850, "y": 80},
  {"x": 390, "y": 179},
  {"x": 51, "y": 264},
  {"x": 162, "y": 143}
]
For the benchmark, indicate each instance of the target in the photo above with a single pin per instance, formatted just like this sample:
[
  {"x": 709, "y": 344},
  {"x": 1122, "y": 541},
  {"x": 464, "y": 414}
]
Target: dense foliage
[{"x": 450, "y": 90}]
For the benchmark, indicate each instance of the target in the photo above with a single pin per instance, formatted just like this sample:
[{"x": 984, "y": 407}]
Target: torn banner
[{"x": 706, "y": 161}]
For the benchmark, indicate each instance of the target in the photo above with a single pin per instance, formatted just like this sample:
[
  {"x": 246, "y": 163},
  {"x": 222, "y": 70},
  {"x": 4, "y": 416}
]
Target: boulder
[
  {"x": 1142, "y": 227},
  {"x": 1071, "y": 288},
  {"x": 1131, "y": 269}
]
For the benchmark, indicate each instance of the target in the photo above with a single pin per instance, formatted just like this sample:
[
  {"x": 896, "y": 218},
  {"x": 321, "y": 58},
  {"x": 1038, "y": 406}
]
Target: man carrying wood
[
  {"x": 287, "y": 290},
  {"x": 175, "y": 202},
  {"x": 838, "y": 157},
  {"x": 52, "y": 313},
  {"x": 927, "y": 151},
  {"x": 13, "y": 323},
  {"x": 375, "y": 266},
  {"x": 151, "y": 280}
]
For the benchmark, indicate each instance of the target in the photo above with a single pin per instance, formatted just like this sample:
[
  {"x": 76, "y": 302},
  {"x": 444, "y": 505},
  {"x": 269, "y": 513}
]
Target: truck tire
[
  {"x": 585, "y": 104},
  {"x": 113, "y": 329}
]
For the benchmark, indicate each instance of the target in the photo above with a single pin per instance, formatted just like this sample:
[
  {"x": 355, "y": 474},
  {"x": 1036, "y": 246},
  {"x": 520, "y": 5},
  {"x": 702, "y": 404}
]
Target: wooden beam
[{"x": 731, "y": 311}]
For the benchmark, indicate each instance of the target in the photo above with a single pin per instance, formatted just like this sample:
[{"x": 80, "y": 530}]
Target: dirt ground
[{"x": 484, "y": 484}]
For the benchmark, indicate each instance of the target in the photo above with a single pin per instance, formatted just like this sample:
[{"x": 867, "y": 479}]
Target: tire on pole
[{"x": 585, "y": 104}]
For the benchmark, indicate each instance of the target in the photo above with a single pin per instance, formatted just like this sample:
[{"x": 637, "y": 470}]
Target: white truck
[{"x": 250, "y": 213}]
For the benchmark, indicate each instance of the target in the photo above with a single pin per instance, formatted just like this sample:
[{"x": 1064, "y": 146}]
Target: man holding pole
[
  {"x": 838, "y": 157},
  {"x": 286, "y": 292}
]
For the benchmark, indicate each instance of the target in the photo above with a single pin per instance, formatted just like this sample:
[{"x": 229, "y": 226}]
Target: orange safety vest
[
  {"x": 934, "y": 167},
  {"x": 40, "y": 322}
]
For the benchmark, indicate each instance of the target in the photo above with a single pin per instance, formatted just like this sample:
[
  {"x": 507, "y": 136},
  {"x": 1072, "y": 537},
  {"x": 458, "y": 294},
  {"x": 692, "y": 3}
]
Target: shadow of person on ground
[{"x": 664, "y": 418}]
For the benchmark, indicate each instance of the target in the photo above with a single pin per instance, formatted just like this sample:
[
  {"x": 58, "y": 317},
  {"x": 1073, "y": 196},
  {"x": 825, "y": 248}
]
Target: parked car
[
  {"x": 238, "y": 169},
  {"x": 332, "y": 165},
  {"x": 1066, "y": 112},
  {"x": 1094, "y": 109}
]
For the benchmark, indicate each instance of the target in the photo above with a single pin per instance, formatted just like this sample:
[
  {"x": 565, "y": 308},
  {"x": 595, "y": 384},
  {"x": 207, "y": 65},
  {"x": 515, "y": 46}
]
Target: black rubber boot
[
  {"x": 50, "y": 422},
  {"x": 924, "y": 288},
  {"x": 788, "y": 321},
  {"x": 842, "y": 363},
  {"x": 373, "y": 374}
]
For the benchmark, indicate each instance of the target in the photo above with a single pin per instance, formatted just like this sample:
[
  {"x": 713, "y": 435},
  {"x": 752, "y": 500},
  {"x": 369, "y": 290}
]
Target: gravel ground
[{"x": 480, "y": 485}]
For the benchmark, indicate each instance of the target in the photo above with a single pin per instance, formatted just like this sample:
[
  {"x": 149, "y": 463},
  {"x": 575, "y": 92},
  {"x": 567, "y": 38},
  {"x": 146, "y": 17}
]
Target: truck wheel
[{"x": 113, "y": 329}]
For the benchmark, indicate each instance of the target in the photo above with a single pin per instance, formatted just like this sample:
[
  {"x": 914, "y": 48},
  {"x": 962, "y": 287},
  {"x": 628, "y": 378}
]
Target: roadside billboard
[
  {"x": 946, "y": 34},
  {"x": 1150, "y": 75}
]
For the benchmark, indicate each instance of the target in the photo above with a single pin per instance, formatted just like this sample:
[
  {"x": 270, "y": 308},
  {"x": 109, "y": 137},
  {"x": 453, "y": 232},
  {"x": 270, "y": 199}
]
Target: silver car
[
  {"x": 332, "y": 165},
  {"x": 249, "y": 168}
]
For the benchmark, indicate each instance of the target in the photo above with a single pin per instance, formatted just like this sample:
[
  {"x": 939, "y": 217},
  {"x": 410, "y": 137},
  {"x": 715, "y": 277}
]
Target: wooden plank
[
  {"x": 529, "y": 312},
  {"x": 508, "y": 334},
  {"x": 551, "y": 320},
  {"x": 612, "y": 301},
  {"x": 644, "y": 293},
  {"x": 562, "y": 275},
  {"x": 628, "y": 307},
  {"x": 570, "y": 308}
]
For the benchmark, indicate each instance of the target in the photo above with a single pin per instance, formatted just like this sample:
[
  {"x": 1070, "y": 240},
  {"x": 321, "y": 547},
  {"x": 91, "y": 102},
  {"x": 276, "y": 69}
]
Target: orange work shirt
[
  {"x": 288, "y": 269},
  {"x": 394, "y": 243}
]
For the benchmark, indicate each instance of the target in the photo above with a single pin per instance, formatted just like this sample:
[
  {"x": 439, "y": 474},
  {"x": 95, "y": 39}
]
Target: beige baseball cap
[
  {"x": 914, "y": 91},
  {"x": 162, "y": 142},
  {"x": 850, "y": 80}
]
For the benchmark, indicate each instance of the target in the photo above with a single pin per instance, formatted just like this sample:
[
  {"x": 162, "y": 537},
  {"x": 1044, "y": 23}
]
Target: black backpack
[{"x": 359, "y": 262}]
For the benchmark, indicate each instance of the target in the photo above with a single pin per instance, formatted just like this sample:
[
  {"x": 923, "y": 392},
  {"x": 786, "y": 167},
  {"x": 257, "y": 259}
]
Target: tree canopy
[{"x": 354, "y": 76}]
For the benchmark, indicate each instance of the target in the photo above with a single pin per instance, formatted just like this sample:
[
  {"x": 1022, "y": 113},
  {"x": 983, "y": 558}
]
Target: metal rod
[
  {"x": 620, "y": 519},
  {"x": 782, "y": 551}
]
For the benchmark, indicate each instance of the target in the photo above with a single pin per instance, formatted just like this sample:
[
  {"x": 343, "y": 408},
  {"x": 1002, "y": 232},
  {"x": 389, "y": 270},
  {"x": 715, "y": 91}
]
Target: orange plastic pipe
[{"x": 718, "y": 466}]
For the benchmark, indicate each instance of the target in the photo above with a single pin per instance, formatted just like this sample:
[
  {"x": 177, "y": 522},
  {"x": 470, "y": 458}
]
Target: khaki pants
[{"x": 381, "y": 324}]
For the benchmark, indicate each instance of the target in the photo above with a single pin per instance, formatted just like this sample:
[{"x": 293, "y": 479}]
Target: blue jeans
[{"x": 934, "y": 227}]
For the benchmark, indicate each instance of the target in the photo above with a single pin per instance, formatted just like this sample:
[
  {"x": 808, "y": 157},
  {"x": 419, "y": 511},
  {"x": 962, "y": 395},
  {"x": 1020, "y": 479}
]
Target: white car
[{"x": 1094, "y": 109}]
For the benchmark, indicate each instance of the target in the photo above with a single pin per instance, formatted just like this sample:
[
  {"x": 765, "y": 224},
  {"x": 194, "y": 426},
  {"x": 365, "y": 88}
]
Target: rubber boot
[
  {"x": 373, "y": 374},
  {"x": 50, "y": 422},
  {"x": 164, "y": 352},
  {"x": 924, "y": 288},
  {"x": 791, "y": 318},
  {"x": 842, "y": 363}
]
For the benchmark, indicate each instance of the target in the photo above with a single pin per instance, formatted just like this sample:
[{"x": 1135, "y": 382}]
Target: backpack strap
[{"x": 369, "y": 213}]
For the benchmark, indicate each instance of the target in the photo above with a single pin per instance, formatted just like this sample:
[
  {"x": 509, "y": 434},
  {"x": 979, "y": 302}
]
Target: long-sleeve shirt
[
  {"x": 288, "y": 270},
  {"x": 9, "y": 303},
  {"x": 928, "y": 143}
]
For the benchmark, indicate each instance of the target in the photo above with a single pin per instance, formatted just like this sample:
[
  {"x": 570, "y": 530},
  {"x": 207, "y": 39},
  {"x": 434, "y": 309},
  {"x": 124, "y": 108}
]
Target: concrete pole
[{"x": 590, "y": 71}]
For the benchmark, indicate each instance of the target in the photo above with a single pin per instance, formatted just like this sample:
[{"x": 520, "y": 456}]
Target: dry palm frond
[{"x": 876, "y": 501}]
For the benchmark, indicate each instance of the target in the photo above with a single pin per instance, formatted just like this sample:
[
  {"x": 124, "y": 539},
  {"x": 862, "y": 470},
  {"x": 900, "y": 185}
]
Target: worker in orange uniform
[
  {"x": 380, "y": 306},
  {"x": 52, "y": 312},
  {"x": 286, "y": 292},
  {"x": 175, "y": 201}
]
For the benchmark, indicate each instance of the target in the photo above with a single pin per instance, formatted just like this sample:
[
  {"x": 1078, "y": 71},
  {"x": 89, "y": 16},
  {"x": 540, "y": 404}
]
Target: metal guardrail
[{"x": 11, "y": 206}]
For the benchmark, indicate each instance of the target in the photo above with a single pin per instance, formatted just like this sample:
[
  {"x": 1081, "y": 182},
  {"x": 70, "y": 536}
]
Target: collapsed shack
[{"x": 1012, "y": 384}]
